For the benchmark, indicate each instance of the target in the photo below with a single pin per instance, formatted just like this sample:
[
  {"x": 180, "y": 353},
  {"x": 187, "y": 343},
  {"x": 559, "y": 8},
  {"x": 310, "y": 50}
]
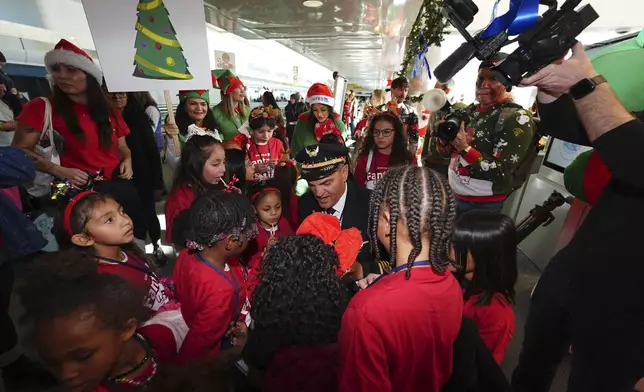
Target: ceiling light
[{"x": 312, "y": 3}]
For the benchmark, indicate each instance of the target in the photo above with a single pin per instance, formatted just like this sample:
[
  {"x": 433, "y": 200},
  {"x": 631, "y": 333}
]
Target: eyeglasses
[
  {"x": 383, "y": 132},
  {"x": 118, "y": 95}
]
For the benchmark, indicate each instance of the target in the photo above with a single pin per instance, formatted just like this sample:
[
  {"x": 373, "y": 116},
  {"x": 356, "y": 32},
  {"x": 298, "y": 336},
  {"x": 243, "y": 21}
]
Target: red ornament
[
  {"x": 151, "y": 19},
  {"x": 158, "y": 46}
]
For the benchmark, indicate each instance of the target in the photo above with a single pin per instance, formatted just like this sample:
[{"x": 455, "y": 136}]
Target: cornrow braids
[
  {"x": 215, "y": 216},
  {"x": 422, "y": 200}
]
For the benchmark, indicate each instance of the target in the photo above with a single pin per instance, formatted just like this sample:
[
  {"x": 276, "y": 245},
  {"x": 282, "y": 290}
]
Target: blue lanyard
[
  {"x": 403, "y": 267},
  {"x": 233, "y": 282}
]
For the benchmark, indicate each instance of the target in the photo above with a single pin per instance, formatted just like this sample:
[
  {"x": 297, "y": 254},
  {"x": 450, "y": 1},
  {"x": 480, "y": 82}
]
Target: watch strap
[{"x": 581, "y": 89}]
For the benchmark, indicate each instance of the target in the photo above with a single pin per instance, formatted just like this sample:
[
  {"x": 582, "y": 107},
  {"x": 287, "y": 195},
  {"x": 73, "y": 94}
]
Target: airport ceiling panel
[{"x": 361, "y": 39}]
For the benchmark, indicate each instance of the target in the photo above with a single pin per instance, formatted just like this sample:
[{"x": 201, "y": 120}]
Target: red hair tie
[
  {"x": 69, "y": 208},
  {"x": 270, "y": 189}
]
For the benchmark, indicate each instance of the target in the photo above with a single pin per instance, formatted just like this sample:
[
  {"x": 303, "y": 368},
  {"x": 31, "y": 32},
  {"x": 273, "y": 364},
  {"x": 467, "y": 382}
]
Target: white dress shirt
[{"x": 339, "y": 206}]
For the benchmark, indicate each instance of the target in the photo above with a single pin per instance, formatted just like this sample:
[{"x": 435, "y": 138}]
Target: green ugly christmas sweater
[{"x": 499, "y": 139}]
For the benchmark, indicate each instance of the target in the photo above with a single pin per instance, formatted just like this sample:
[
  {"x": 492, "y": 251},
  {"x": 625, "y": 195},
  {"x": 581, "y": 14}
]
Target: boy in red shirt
[
  {"x": 210, "y": 282},
  {"x": 398, "y": 333}
]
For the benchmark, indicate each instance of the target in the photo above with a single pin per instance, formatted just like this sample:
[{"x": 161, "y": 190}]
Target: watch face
[{"x": 583, "y": 88}]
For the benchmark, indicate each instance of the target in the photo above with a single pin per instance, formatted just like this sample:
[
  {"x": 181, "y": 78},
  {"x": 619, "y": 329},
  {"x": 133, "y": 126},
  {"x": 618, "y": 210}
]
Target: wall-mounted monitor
[{"x": 560, "y": 154}]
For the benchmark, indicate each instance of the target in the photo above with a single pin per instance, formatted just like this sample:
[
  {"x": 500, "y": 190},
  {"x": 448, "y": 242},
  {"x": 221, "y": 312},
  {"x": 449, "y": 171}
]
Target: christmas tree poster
[{"x": 148, "y": 45}]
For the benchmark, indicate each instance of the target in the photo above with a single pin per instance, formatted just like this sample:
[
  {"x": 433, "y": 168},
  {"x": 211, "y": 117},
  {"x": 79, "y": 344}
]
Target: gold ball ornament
[{"x": 169, "y": 61}]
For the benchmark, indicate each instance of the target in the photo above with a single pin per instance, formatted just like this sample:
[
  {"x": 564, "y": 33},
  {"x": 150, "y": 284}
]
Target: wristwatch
[{"x": 586, "y": 86}]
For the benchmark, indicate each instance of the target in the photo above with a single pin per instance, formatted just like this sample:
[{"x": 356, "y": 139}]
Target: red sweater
[
  {"x": 253, "y": 253},
  {"x": 310, "y": 369},
  {"x": 271, "y": 152},
  {"x": 207, "y": 304},
  {"x": 494, "y": 321},
  {"x": 368, "y": 177},
  {"x": 180, "y": 199},
  {"x": 398, "y": 334}
]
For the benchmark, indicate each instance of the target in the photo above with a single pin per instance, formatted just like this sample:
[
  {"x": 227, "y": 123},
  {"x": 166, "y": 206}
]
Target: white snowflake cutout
[
  {"x": 514, "y": 158},
  {"x": 501, "y": 143},
  {"x": 480, "y": 134},
  {"x": 523, "y": 119}
]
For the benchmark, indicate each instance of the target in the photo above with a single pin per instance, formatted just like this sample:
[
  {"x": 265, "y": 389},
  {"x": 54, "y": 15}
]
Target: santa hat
[
  {"x": 69, "y": 54},
  {"x": 320, "y": 93}
]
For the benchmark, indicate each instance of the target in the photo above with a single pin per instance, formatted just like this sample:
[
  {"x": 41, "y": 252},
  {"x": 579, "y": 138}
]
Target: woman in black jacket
[{"x": 146, "y": 163}]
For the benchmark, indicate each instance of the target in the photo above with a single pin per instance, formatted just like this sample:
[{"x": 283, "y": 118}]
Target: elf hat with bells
[{"x": 226, "y": 80}]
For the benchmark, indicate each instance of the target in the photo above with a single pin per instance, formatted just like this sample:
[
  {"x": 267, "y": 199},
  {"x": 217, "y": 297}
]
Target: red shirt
[
  {"x": 207, "y": 304},
  {"x": 368, "y": 176},
  {"x": 180, "y": 198},
  {"x": 84, "y": 154},
  {"x": 494, "y": 321},
  {"x": 398, "y": 334},
  {"x": 310, "y": 369},
  {"x": 253, "y": 253},
  {"x": 138, "y": 273},
  {"x": 270, "y": 152}
]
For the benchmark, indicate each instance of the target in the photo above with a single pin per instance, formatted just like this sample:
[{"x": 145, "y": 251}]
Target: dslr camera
[
  {"x": 412, "y": 126},
  {"x": 452, "y": 117},
  {"x": 548, "y": 40}
]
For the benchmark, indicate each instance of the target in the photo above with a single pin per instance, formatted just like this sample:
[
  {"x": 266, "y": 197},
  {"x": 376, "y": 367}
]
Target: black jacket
[
  {"x": 474, "y": 368},
  {"x": 355, "y": 214},
  {"x": 601, "y": 304}
]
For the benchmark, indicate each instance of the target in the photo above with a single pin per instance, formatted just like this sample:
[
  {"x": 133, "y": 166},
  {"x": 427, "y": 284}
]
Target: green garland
[{"x": 430, "y": 24}]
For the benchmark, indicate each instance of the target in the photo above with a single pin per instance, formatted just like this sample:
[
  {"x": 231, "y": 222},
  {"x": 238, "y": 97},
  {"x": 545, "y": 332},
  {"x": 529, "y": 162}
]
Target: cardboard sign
[
  {"x": 150, "y": 44},
  {"x": 225, "y": 60}
]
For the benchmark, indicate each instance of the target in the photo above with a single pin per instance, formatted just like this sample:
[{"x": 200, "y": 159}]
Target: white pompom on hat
[
  {"x": 320, "y": 93},
  {"x": 69, "y": 54}
]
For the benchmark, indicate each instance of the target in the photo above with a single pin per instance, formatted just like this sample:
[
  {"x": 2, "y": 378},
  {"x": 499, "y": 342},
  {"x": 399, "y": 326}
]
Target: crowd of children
[{"x": 259, "y": 299}]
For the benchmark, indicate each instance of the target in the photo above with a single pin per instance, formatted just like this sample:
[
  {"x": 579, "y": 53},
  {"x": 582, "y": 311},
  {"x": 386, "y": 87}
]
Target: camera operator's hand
[
  {"x": 557, "y": 79},
  {"x": 460, "y": 142}
]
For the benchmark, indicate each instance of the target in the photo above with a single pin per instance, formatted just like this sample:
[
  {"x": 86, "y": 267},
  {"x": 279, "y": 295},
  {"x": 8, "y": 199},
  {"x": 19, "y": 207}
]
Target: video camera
[{"x": 548, "y": 40}]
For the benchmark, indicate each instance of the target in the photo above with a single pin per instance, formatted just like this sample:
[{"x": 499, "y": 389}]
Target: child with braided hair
[
  {"x": 398, "y": 333},
  {"x": 210, "y": 281}
]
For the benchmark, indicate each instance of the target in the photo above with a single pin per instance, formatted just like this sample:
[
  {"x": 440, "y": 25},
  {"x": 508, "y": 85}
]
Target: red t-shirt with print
[
  {"x": 270, "y": 152},
  {"x": 84, "y": 154},
  {"x": 369, "y": 176},
  {"x": 207, "y": 304}
]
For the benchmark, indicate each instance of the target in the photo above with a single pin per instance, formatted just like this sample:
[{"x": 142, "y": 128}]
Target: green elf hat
[
  {"x": 622, "y": 65},
  {"x": 226, "y": 80},
  {"x": 202, "y": 94}
]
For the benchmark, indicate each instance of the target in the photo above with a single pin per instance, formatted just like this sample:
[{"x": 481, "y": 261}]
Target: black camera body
[
  {"x": 412, "y": 126},
  {"x": 448, "y": 129},
  {"x": 550, "y": 39}
]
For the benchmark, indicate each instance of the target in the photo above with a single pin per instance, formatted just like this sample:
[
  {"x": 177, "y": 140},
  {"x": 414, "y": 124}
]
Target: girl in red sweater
[
  {"x": 95, "y": 224},
  {"x": 271, "y": 225},
  {"x": 398, "y": 333},
  {"x": 203, "y": 165},
  {"x": 210, "y": 281},
  {"x": 264, "y": 150},
  {"x": 86, "y": 326},
  {"x": 384, "y": 146},
  {"x": 485, "y": 255}
]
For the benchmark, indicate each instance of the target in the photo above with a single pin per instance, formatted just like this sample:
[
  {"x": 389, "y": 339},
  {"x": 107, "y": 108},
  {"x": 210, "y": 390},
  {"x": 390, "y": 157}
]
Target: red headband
[
  {"x": 69, "y": 208},
  {"x": 254, "y": 196}
]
